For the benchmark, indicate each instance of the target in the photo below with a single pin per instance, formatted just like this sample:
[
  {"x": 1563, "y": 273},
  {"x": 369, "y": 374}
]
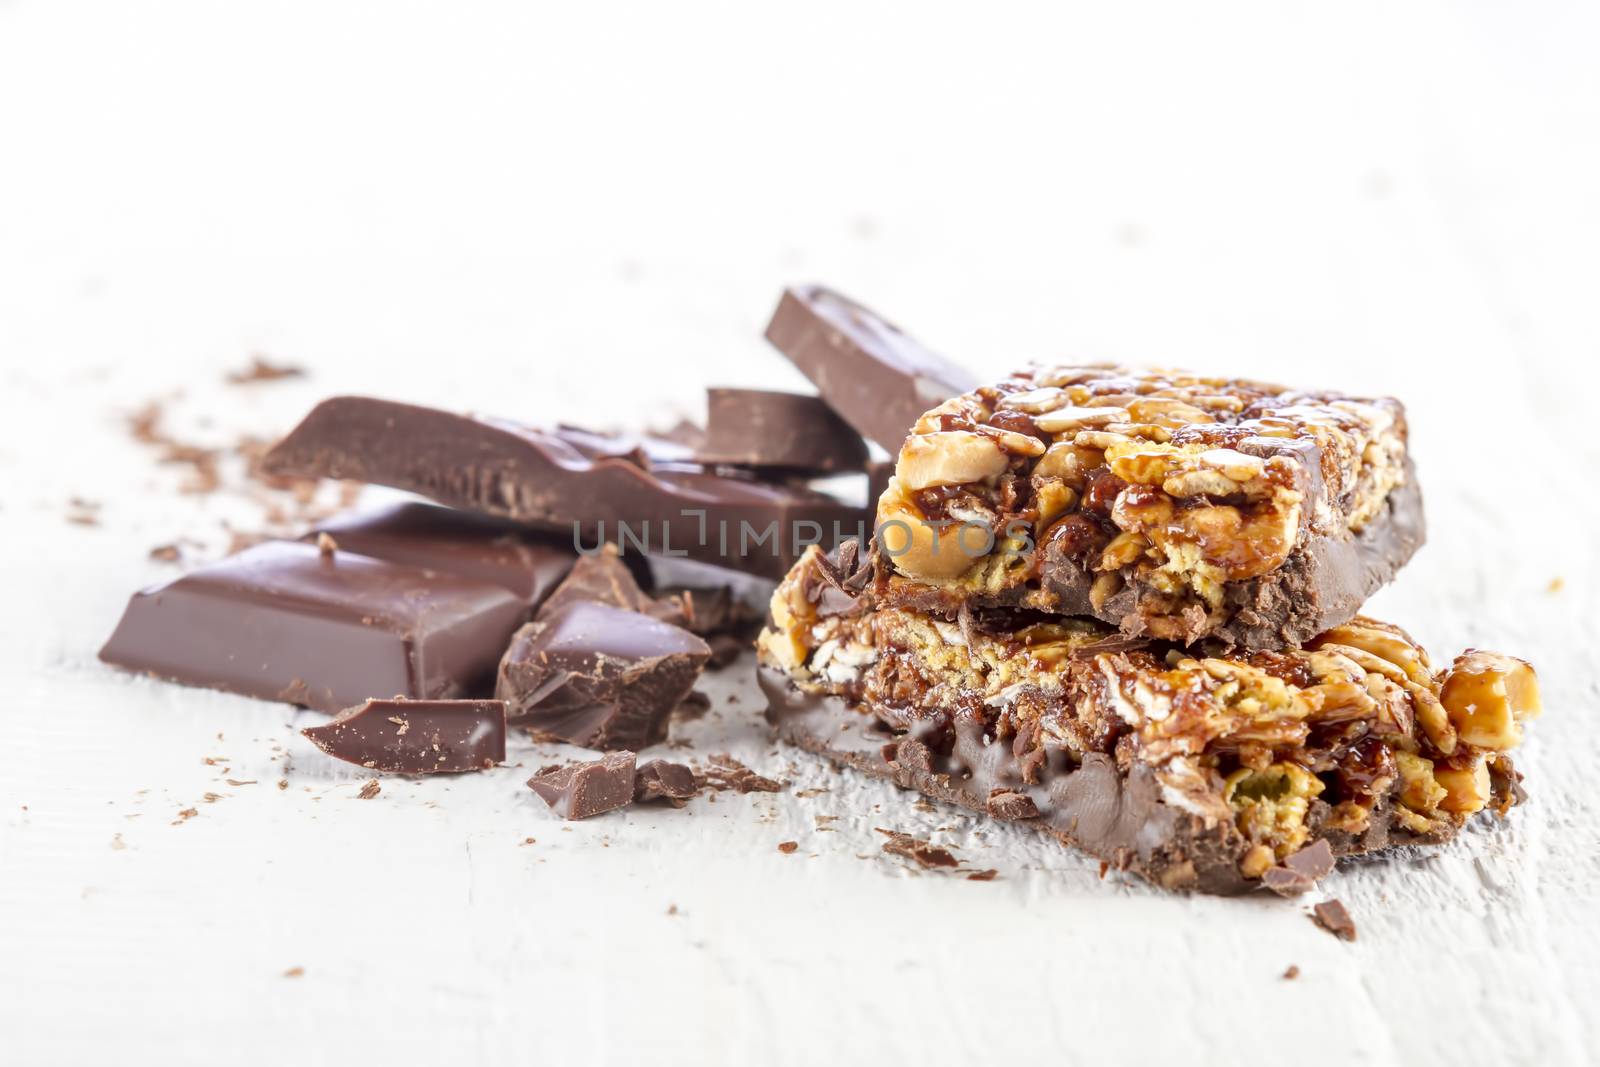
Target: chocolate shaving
[
  {"x": 263, "y": 370},
  {"x": 925, "y": 854},
  {"x": 725, "y": 772}
]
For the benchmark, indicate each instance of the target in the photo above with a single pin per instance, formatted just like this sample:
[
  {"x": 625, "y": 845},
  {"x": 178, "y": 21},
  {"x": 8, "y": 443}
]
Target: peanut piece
[
  {"x": 1200, "y": 483},
  {"x": 1069, "y": 419},
  {"x": 949, "y": 457},
  {"x": 1420, "y": 789},
  {"x": 915, "y": 547},
  {"x": 1037, "y": 401},
  {"x": 1465, "y": 789},
  {"x": 1488, "y": 696},
  {"x": 1124, "y": 549}
]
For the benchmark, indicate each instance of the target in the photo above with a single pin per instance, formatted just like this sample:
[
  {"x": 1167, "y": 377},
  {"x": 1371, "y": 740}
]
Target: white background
[{"x": 586, "y": 211}]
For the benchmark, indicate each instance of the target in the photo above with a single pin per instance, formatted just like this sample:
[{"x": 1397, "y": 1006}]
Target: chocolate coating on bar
[
  {"x": 416, "y": 736},
  {"x": 764, "y": 428},
  {"x": 580, "y": 790},
  {"x": 1116, "y": 816},
  {"x": 528, "y": 563},
  {"x": 879, "y": 379},
  {"x": 568, "y": 481},
  {"x": 599, "y": 676},
  {"x": 1119, "y": 818},
  {"x": 285, "y": 621}
]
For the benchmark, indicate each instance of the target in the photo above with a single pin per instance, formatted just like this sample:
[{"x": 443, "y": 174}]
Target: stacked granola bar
[{"x": 1122, "y": 606}]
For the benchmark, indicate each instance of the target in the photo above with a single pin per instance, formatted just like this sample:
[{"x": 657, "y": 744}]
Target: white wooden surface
[{"x": 586, "y": 211}]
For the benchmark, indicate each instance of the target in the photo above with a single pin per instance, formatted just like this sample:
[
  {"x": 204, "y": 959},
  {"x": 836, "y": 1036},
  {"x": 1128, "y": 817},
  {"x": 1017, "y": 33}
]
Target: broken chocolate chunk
[
  {"x": 284, "y": 621},
  {"x": 603, "y": 578},
  {"x": 599, "y": 676},
  {"x": 573, "y": 483},
  {"x": 877, "y": 378},
  {"x": 580, "y": 790},
  {"x": 762, "y": 428},
  {"x": 661, "y": 780},
  {"x": 1300, "y": 871},
  {"x": 417, "y": 736},
  {"x": 528, "y": 563}
]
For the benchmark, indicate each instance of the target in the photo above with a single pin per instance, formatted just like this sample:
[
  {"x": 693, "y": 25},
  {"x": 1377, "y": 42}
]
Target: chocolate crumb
[
  {"x": 924, "y": 853},
  {"x": 788, "y": 847},
  {"x": 185, "y": 815},
  {"x": 983, "y": 876},
  {"x": 263, "y": 370},
  {"x": 283, "y": 783},
  {"x": 369, "y": 789},
  {"x": 1332, "y": 916},
  {"x": 1292, "y": 972},
  {"x": 165, "y": 553},
  {"x": 294, "y": 972}
]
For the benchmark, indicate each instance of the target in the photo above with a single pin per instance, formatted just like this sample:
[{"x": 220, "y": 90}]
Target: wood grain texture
[{"x": 587, "y": 215}]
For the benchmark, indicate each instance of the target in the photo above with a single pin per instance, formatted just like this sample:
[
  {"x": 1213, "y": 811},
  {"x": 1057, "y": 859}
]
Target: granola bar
[
  {"x": 1165, "y": 504},
  {"x": 1210, "y": 772}
]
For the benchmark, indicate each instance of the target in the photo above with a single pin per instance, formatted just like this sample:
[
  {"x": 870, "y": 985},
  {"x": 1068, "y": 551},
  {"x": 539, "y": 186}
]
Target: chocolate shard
[
  {"x": 923, "y": 852},
  {"x": 1333, "y": 917},
  {"x": 603, "y": 578},
  {"x": 286, "y": 621},
  {"x": 507, "y": 554},
  {"x": 661, "y": 780},
  {"x": 877, "y": 378},
  {"x": 790, "y": 431},
  {"x": 416, "y": 736},
  {"x": 645, "y": 493},
  {"x": 580, "y": 790},
  {"x": 599, "y": 676},
  {"x": 1301, "y": 871},
  {"x": 722, "y": 600}
]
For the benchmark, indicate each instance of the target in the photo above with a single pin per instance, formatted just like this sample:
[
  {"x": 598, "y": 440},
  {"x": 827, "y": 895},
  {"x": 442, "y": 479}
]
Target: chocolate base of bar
[
  {"x": 1322, "y": 584},
  {"x": 1116, "y": 817}
]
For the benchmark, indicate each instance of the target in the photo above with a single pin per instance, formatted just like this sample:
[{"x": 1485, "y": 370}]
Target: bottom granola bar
[{"x": 1213, "y": 773}]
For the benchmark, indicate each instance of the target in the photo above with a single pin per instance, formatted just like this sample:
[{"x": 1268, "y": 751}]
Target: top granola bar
[{"x": 1166, "y": 504}]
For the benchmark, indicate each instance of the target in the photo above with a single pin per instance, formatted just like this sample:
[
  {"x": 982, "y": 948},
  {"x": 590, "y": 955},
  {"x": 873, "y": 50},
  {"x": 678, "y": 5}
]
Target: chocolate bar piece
[
  {"x": 599, "y": 676},
  {"x": 1198, "y": 772},
  {"x": 603, "y": 578},
  {"x": 416, "y": 736},
  {"x": 580, "y": 790},
  {"x": 661, "y": 780},
  {"x": 287, "y": 621},
  {"x": 763, "y": 428},
  {"x": 643, "y": 494},
  {"x": 1164, "y": 504},
  {"x": 877, "y": 378},
  {"x": 528, "y": 563}
]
